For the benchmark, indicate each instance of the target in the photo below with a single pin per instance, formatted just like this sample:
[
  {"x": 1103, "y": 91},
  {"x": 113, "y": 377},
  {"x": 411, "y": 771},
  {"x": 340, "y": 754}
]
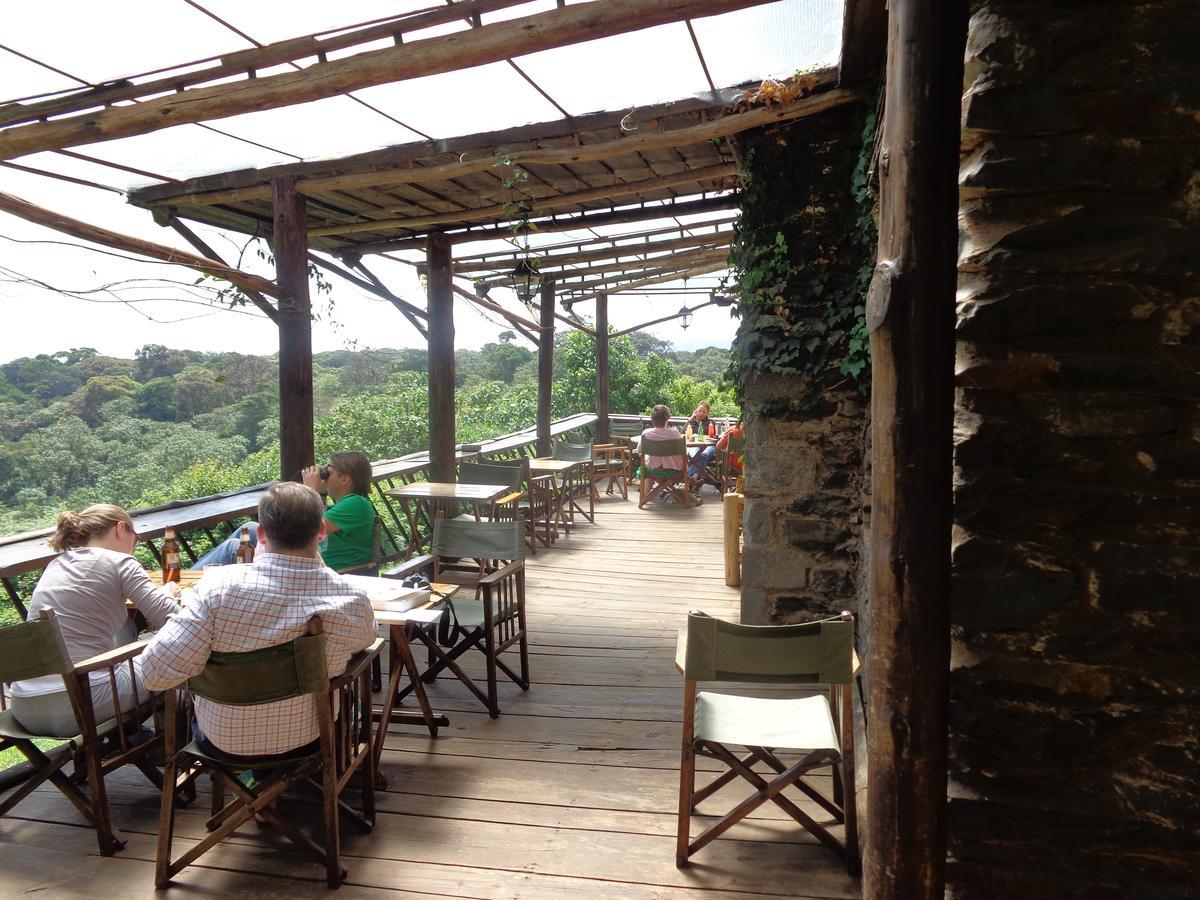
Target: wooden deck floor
[{"x": 570, "y": 793}]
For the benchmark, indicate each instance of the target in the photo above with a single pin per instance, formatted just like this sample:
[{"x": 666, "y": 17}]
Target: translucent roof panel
[
  {"x": 484, "y": 98},
  {"x": 96, "y": 46},
  {"x": 771, "y": 41}
]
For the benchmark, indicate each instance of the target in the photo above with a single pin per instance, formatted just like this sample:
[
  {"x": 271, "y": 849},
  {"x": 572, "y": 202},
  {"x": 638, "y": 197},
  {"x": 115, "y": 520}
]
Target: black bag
[{"x": 449, "y": 632}]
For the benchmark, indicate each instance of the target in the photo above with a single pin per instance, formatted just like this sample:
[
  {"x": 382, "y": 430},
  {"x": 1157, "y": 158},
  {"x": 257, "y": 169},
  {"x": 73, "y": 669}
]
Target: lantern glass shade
[
  {"x": 685, "y": 317},
  {"x": 526, "y": 279}
]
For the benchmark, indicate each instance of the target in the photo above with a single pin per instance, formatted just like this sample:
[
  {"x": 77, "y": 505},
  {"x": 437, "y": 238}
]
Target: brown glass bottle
[
  {"x": 245, "y": 550},
  {"x": 170, "y": 557}
]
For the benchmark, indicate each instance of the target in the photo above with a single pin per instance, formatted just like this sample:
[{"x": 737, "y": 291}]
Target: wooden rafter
[
  {"x": 557, "y": 28},
  {"x": 556, "y": 261},
  {"x": 96, "y": 235},
  {"x": 503, "y": 211},
  {"x": 651, "y": 139},
  {"x": 244, "y": 62}
]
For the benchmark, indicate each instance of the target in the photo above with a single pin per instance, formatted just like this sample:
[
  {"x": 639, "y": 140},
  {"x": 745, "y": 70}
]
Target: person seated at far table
[
  {"x": 704, "y": 458},
  {"x": 85, "y": 587},
  {"x": 661, "y": 431},
  {"x": 269, "y": 602},
  {"x": 699, "y": 419},
  {"x": 349, "y": 522}
]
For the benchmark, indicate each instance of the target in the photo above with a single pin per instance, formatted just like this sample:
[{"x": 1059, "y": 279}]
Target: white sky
[{"x": 654, "y": 65}]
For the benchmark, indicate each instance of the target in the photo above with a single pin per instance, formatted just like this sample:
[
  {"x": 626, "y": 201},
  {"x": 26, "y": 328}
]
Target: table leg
[{"x": 388, "y": 713}]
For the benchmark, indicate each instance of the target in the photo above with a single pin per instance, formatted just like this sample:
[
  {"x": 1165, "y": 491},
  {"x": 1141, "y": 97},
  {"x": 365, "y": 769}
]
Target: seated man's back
[{"x": 247, "y": 607}]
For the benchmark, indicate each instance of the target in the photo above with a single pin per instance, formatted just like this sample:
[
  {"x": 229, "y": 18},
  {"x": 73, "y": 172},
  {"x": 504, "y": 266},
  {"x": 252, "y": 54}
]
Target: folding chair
[
  {"x": 486, "y": 555},
  {"x": 536, "y": 503},
  {"x": 816, "y": 729},
  {"x": 669, "y": 482},
  {"x": 36, "y": 648},
  {"x": 505, "y": 508},
  {"x": 580, "y": 453},
  {"x": 611, "y": 464},
  {"x": 269, "y": 675},
  {"x": 728, "y": 473}
]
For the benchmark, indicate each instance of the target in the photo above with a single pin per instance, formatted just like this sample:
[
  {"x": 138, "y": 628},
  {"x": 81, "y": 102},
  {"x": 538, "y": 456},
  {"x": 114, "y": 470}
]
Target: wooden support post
[
  {"x": 441, "y": 359},
  {"x": 296, "y": 448},
  {"x": 910, "y": 316},
  {"x": 545, "y": 367},
  {"x": 602, "y": 369},
  {"x": 731, "y": 507}
]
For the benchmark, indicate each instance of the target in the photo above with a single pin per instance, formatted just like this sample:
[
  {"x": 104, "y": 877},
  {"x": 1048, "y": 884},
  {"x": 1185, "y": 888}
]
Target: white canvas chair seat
[
  {"x": 791, "y": 724},
  {"x": 817, "y": 728}
]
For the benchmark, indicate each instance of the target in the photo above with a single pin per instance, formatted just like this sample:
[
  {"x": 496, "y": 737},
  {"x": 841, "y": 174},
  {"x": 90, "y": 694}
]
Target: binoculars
[
  {"x": 416, "y": 582},
  {"x": 324, "y": 473}
]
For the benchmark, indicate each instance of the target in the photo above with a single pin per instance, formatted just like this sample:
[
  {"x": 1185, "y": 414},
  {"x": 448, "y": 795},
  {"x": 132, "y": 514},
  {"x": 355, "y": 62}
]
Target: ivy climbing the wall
[{"x": 803, "y": 253}]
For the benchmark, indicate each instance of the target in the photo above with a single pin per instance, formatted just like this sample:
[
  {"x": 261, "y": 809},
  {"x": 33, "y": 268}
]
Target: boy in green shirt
[{"x": 350, "y": 521}]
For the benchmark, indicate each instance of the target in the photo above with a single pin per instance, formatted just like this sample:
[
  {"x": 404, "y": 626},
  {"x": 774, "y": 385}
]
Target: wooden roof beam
[
  {"x": 244, "y": 62},
  {"x": 574, "y": 223},
  {"x": 666, "y": 275},
  {"x": 595, "y": 241},
  {"x": 96, "y": 235},
  {"x": 561, "y": 275},
  {"x": 502, "y": 211},
  {"x": 609, "y": 253},
  {"x": 446, "y": 53},
  {"x": 651, "y": 139}
]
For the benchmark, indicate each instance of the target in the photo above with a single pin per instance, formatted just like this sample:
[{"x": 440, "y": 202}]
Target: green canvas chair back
[
  {"x": 481, "y": 473},
  {"x": 33, "y": 649},
  {"x": 521, "y": 465},
  {"x": 265, "y": 675},
  {"x": 478, "y": 540},
  {"x": 625, "y": 428},
  {"x": 812, "y": 652},
  {"x": 572, "y": 452},
  {"x": 668, "y": 447}
]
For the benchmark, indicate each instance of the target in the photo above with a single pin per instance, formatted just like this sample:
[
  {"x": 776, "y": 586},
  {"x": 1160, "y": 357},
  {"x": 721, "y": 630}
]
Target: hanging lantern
[
  {"x": 526, "y": 280},
  {"x": 685, "y": 317}
]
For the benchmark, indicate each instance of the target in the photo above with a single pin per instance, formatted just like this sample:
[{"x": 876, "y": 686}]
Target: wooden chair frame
[
  {"x": 674, "y": 481},
  {"x": 100, "y": 747},
  {"x": 841, "y": 806},
  {"x": 611, "y": 464},
  {"x": 346, "y": 748},
  {"x": 500, "y": 588},
  {"x": 727, "y": 474}
]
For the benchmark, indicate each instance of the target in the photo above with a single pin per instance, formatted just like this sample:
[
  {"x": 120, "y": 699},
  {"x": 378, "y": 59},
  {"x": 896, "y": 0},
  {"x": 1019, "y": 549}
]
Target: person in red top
[{"x": 705, "y": 457}]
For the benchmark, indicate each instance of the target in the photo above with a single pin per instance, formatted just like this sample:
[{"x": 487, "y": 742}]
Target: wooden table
[
  {"x": 568, "y": 470},
  {"x": 410, "y": 495},
  {"x": 397, "y": 623}
]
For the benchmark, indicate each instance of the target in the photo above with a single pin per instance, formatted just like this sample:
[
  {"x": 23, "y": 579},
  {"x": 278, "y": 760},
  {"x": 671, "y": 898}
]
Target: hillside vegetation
[{"x": 79, "y": 428}]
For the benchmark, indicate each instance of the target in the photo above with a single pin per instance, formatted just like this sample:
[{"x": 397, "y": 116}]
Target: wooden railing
[{"x": 213, "y": 516}]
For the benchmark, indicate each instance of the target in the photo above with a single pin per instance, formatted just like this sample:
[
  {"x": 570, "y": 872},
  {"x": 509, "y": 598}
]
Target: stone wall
[
  {"x": 1075, "y": 722},
  {"x": 803, "y": 525},
  {"x": 805, "y": 419}
]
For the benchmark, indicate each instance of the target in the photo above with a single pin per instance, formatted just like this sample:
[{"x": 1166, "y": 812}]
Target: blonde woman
[{"x": 86, "y": 587}]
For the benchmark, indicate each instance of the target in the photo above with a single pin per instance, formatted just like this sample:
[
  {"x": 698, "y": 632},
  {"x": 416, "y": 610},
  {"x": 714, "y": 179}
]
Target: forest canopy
[{"x": 77, "y": 427}]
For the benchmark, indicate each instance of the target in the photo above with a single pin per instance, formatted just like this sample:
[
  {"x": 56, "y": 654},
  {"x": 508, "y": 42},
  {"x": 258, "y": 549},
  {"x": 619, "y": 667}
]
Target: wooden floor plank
[{"x": 571, "y": 793}]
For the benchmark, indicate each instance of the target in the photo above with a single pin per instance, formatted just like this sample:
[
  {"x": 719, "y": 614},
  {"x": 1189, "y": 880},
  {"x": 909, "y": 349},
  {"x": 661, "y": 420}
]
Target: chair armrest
[
  {"x": 407, "y": 568},
  {"x": 349, "y": 570},
  {"x": 502, "y": 573},
  {"x": 542, "y": 479},
  {"x": 357, "y": 664},
  {"x": 111, "y": 658},
  {"x": 681, "y": 651},
  {"x": 509, "y": 498}
]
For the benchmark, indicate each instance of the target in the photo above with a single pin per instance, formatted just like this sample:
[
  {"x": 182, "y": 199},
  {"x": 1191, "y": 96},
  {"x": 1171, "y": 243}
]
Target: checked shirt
[{"x": 247, "y": 607}]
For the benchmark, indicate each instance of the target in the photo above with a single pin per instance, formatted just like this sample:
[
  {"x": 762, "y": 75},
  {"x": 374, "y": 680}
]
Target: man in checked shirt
[{"x": 246, "y": 607}]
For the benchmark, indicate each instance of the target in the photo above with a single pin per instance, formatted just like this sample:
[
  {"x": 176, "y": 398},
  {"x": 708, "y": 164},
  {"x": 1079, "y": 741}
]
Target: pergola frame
[{"x": 415, "y": 196}]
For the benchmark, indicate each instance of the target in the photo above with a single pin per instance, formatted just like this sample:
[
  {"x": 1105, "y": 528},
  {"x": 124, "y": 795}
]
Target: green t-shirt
[{"x": 351, "y": 543}]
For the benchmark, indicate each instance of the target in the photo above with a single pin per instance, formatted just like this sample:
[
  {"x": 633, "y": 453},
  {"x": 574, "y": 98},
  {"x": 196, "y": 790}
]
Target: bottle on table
[
  {"x": 245, "y": 550},
  {"x": 170, "y": 557},
  {"x": 712, "y": 429},
  {"x": 688, "y": 432}
]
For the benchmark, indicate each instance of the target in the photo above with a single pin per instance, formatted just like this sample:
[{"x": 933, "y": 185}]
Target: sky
[{"x": 57, "y": 292}]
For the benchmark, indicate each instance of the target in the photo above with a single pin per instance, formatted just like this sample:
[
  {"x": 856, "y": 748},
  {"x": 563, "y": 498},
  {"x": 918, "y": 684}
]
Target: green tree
[
  {"x": 87, "y": 402},
  {"x": 197, "y": 391},
  {"x": 156, "y": 400}
]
